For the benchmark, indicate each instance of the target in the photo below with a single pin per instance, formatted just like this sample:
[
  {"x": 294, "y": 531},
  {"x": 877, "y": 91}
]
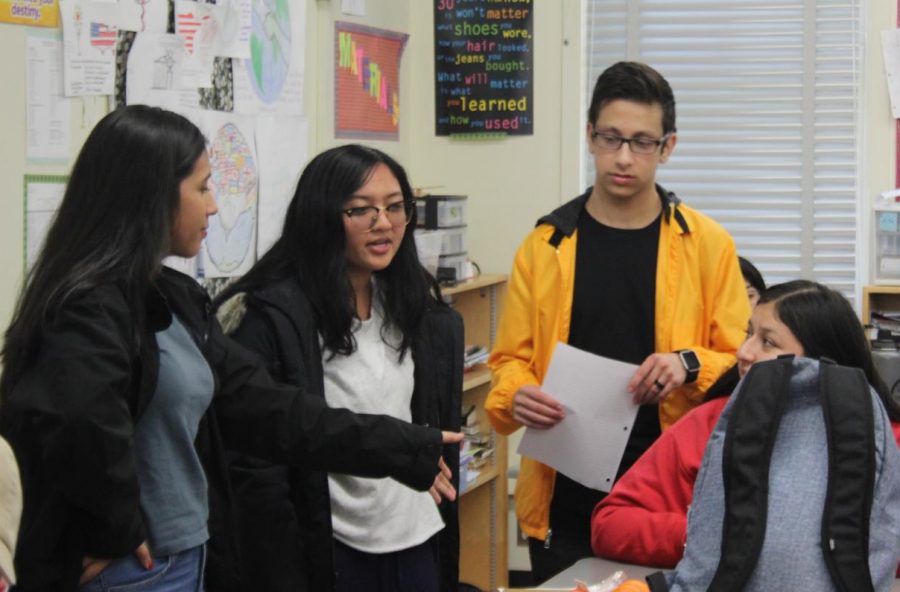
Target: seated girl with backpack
[{"x": 644, "y": 518}]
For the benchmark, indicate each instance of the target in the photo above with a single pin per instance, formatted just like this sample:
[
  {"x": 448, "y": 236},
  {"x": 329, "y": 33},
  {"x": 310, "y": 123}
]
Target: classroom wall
[
  {"x": 514, "y": 181},
  {"x": 510, "y": 183},
  {"x": 879, "y": 132}
]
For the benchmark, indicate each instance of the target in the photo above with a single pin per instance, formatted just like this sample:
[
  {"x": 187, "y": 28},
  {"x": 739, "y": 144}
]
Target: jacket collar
[
  {"x": 565, "y": 218},
  {"x": 174, "y": 292}
]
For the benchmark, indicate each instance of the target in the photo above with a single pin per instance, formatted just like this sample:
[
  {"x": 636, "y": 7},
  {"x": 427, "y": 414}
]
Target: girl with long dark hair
[
  {"x": 342, "y": 307},
  {"x": 119, "y": 387},
  {"x": 644, "y": 518}
]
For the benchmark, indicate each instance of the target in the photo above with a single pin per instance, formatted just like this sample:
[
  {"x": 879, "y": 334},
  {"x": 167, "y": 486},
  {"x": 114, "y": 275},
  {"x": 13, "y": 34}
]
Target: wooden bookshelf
[
  {"x": 482, "y": 505},
  {"x": 880, "y": 298}
]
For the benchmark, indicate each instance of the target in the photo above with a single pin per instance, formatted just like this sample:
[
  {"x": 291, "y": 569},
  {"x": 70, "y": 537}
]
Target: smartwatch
[{"x": 691, "y": 364}]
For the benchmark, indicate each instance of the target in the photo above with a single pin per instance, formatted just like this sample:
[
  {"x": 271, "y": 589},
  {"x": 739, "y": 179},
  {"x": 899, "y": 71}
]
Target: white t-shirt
[{"x": 376, "y": 515}]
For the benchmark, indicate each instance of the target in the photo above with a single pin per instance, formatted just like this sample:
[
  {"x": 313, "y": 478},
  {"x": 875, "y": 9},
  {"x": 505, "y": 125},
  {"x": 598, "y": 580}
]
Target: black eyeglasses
[
  {"x": 638, "y": 145},
  {"x": 364, "y": 218}
]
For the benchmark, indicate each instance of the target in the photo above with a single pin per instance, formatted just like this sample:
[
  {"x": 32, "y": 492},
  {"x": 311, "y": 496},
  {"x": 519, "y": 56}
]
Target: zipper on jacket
[
  {"x": 547, "y": 540},
  {"x": 207, "y": 310}
]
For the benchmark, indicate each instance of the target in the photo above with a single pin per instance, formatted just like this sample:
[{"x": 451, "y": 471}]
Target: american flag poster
[
  {"x": 102, "y": 35},
  {"x": 188, "y": 25}
]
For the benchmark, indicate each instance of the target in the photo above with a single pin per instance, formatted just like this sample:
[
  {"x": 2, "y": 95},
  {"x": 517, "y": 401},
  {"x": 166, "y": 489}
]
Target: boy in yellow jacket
[{"x": 625, "y": 271}]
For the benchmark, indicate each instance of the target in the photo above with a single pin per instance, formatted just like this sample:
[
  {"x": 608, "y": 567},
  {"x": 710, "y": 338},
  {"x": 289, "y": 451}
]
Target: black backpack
[{"x": 731, "y": 508}]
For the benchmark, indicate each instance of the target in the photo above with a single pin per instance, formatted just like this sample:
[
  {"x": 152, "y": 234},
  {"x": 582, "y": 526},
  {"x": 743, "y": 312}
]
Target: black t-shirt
[{"x": 613, "y": 314}]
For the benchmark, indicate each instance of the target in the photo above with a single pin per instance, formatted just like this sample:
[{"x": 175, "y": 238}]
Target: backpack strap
[
  {"x": 746, "y": 453},
  {"x": 850, "y": 428}
]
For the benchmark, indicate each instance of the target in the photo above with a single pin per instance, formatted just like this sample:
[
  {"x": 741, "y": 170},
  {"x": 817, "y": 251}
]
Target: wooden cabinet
[{"x": 482, "y": 505}]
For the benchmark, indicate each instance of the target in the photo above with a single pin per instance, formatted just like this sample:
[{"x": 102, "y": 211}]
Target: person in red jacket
[{"x": 643, "y": 520}]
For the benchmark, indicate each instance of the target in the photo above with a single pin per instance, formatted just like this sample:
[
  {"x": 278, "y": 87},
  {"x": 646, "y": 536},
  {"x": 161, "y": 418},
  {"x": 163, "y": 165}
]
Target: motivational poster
[{"x": 483, "y": 53}]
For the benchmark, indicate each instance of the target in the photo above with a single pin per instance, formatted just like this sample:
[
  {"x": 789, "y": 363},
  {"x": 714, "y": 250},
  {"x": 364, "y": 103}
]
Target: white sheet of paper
[
  {"x": 89, "y": 51},
  {"x": 890, "y": 45},
  {"x": 272, "y": 79},
  {"x": 588, "y": 444},
  {"x": 143, "y": 16},
  {"x": 154, "y": 68},
  {"x": 283, "y": 147},
  {"x": 230, "y": 246},
  {"x": 199, "y": 26},
  {"x": 354, "y": 7},
  {"x": 234, "y": 34},
  {"x": 48, "y": 111},
  {"x": 42, "y": 200}
]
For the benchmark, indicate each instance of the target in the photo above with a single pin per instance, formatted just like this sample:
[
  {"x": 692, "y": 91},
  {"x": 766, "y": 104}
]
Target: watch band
[{"x": 691, "y": 364}]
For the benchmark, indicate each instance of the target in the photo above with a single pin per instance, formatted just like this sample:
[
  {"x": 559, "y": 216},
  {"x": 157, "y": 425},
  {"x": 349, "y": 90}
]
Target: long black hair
[
  {"x": 312, "y": 248},
  {"x": 114, "y": 223},
  {"x": 825, "y": 324},
  {"x": 752, "y": 275}
]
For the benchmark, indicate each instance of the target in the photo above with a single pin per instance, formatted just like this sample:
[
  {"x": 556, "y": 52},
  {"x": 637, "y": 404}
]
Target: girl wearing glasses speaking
[{"x": 341, "y": 307}]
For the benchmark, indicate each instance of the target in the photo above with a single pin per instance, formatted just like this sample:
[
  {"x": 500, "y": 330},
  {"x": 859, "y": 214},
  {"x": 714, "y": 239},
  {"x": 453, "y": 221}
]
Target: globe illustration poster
[
  {"x": 270, "y": 49},
  {"x": 231, "y": 239}
]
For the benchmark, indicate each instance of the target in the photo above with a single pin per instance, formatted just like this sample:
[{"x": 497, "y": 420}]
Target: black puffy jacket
[
  {"x": 69, "y": 420},
  {"x": 286, "y": 512}
]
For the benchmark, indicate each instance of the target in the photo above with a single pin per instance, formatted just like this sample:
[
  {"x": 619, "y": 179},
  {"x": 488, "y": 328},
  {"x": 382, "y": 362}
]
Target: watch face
[{"x": 689, "y": 359}]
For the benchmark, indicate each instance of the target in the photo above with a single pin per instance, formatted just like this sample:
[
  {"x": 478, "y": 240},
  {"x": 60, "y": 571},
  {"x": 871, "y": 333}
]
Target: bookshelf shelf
[
  {"x": 482, "y": 505},
  {"x": 486, "y": 474},
  {"x": 879, "y": 298},
  {"x": 476, "y": 377}
]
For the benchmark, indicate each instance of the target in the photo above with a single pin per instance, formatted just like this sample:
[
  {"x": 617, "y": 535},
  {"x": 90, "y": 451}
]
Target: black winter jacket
[
  {"x": 69, "y": 420},
  {"x": 277, "y": 321}
]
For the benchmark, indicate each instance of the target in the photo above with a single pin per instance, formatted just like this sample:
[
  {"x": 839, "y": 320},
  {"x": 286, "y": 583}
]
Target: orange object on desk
[{"x": 632, "y": 586}]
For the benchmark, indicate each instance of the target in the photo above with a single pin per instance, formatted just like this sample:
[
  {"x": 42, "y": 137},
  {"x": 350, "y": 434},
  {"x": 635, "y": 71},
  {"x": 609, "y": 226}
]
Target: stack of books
[
  {"x": 887, "y": 321},
  {"x": 475, "y": 354},
  {"x": 475, "y": 451}
]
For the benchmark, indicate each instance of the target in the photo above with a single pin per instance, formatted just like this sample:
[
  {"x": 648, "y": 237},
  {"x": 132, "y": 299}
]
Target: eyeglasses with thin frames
[
  {"x": 638, "y": 145},
  {"x": 364, "y": 218}
]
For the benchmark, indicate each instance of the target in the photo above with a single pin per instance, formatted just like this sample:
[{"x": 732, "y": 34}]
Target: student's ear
[
  {"x": 588, "y": 130},
  {"x": 667, "y": 148}
]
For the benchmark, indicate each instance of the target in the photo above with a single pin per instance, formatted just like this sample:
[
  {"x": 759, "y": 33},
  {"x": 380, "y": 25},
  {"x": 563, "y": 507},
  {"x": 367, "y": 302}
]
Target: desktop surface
[{"x": 594, "y": 569}]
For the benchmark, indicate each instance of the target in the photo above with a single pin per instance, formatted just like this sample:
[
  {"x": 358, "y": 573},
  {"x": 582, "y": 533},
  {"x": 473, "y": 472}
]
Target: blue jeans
[{"x": 181, "y": 572}]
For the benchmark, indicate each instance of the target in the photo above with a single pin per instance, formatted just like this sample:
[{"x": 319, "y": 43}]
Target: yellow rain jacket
[{"x": 701, "y": 304}]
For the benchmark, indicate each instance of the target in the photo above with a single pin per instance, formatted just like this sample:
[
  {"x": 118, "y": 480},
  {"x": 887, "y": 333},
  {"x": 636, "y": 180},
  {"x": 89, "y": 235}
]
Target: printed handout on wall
[
  {"x": 43, "y": 194},
  {"x": 48, "y": 111},
  {"x": 272, "y": 77},
  {"x": 155, "y": 73},
  {"x": 230, "y": 245},
  {"x": 282, "y": 144},
  {"x": 89, "y": 50},
  {"x": 143, "y": 16},
  {"x": 197, "y": 25},
  {"x": 221, "y": 29}
]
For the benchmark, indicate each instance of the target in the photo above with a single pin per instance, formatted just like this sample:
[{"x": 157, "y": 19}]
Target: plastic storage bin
[
  {"x": 441, "y": 211},
  {"x": 429, "y": 244},
  {"x": 453, "y": 241},
  {"x": 455, "y": 262}
]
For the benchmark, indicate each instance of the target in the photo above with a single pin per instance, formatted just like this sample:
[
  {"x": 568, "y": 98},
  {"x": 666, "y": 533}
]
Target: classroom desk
[{"x": 594, "y": 569}]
